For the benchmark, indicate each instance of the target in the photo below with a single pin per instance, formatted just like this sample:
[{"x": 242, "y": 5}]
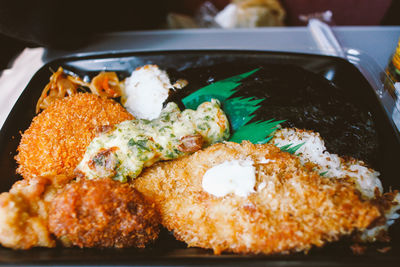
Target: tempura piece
[
  {"x": 291, "y": 208},
  {"x": 103, "y": 213},
  {"x": 57, "y": 138},
  {"x": 24, "y": 213}
]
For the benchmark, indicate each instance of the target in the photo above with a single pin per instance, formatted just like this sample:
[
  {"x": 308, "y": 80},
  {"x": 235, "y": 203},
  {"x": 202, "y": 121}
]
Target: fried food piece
[
  {"x": 291, "y": 209},
  {"x": 123, "y": 152},
  {"x": 57, "y": 138},
  {"x": 23, "y": 213},
  {"x": 85, "y": 213},
  {"x": 312, "y": 150},
  {"x": 103, "y": 213}
]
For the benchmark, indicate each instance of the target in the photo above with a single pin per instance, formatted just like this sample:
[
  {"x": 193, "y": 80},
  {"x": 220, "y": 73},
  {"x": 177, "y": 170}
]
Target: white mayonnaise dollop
[
  {"x": 235, "y": 176},
  {"x": 145, "y": 92}
]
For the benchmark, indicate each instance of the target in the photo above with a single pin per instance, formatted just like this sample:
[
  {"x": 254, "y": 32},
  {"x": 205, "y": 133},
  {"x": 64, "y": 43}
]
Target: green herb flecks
[
  {"x": 290, "y": 148},
  {"x": 170, "y": 155},
  {"x": 99, "y": 160},
  {"x": 323, "y": 173},
  {"x": 140, "y": 144}
]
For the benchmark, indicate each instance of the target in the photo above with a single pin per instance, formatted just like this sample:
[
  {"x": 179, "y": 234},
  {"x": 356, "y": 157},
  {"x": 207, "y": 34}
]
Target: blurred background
[{"x": 69, "y": 24}]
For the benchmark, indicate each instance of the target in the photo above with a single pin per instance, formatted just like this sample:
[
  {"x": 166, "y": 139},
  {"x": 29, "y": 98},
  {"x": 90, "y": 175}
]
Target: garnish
[
  {"x": 258, "y": 132},
  {"x": 220, "y": 90},
  {"x": 240, "y": 111},
  {"x": 290, "y": 148}
]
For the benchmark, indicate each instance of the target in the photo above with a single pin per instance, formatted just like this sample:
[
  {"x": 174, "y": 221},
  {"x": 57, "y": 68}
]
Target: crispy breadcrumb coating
[
  {"x": 313, "y": 151},
  {"x": 292, "y": 207},
  {"x": 103, "y": 213},
  {"x": 57, "y": 138}
]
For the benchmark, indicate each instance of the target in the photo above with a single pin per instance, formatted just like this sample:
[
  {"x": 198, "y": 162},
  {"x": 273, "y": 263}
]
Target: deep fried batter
[
  {"x": 23, "y": 213},
  {"x": 103, "y": 213},
  {"x": 57, "y": 138},
  {"x": 292, "y": 208}
]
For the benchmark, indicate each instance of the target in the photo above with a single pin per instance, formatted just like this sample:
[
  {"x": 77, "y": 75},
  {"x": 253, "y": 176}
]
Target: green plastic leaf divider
[
  {"x": 258, "y": 132},
  {"x": 239, "y": 110},
  {"x": 220, "y": 90}
]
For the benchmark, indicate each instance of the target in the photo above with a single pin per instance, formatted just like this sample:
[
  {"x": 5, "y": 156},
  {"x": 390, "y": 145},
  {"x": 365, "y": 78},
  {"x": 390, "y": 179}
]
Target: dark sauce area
[{"x": 305, "y": 100}]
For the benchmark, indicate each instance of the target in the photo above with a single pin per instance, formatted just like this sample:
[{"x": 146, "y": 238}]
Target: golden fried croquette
[
  {"x": 57, "y": 138},
  {"x": 24, "y": 213},
  {"x": 103, "y": 213},
  {"x": 292, "y": 208}
]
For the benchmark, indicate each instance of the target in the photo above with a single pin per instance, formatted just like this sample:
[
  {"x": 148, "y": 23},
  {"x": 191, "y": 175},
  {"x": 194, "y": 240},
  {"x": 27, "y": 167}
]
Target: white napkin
[{"x": 15, "y": 79}]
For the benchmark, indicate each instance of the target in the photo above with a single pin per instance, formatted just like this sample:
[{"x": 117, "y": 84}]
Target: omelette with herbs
[{"x": 128, "y": 147}]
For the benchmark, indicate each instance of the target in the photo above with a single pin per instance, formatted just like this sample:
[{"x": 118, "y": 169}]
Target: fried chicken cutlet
[
  {"x": 24, "y": 212},
  {"x": 103, "y": 213},
  {"x": 57, "y": 138},
  {"x": 88, "y": 213},
  {"x": 291, "y": 207}
]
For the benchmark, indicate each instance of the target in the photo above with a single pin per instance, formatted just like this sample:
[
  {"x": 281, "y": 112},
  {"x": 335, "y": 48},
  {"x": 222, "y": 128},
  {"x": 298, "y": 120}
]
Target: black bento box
[{"x": 321, "y": 93}]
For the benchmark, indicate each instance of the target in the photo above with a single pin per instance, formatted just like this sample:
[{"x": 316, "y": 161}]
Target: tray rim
[{"x": 121, "y": 54}]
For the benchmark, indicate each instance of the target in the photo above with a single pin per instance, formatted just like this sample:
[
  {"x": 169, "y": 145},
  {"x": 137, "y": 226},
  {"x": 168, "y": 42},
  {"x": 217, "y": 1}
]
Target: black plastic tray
[{"x": 287, "y": 79}]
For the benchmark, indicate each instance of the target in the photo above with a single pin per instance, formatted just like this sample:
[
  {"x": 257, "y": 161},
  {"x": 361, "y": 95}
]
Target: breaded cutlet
[
  {"x": 57, "y": 138},
  {"x": 292, "y": 209},
  {"x": 103, "y": 213}
]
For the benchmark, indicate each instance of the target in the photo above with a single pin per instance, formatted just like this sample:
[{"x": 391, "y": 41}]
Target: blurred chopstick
[{"x": 325, "y": 38}]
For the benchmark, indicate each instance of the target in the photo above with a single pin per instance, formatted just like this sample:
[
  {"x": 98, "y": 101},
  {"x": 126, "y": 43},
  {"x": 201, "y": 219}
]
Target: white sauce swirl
[{"x": 236, "y": 176}]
